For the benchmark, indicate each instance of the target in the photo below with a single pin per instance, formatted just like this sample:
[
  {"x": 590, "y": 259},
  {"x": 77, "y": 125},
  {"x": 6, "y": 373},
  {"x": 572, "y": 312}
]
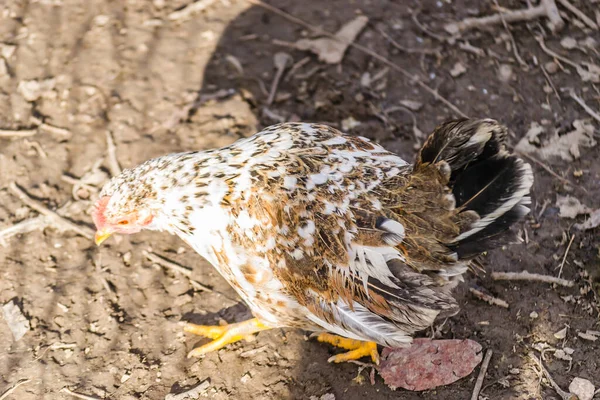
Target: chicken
[{"x": 329, "y": 232}]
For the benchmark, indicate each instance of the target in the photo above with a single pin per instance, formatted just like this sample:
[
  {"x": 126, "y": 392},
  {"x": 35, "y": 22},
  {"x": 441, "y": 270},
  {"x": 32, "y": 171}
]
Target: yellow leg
[
  {"x": 223, "y": 335},
  {"x": 358, "y": 349}
]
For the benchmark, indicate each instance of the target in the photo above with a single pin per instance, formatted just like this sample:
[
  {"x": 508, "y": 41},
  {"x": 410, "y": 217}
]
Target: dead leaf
[
  {"x": 570, "y": 207},
  {"x": 458, "y": 70},
  {"x": 587, "y": 336},
  {"x": 412, "y": 104},
  {"x": 566, "y": 146},
  {"x": 332, "y": 50},
  {"x": 589, "y": 72},
  {"x": 591, "y": 223},
  {"x": 564, "y": 354},
  {"x": 237, "y": 65},
  {"x": 34, "y": 89},
  {"x": 17, "y": 322},
  {"x": 560, "y": 335},
  {"x": 427, "y": 364},
  {"x": 568, "y": 43},
  {"x": 349, "y": 123}
]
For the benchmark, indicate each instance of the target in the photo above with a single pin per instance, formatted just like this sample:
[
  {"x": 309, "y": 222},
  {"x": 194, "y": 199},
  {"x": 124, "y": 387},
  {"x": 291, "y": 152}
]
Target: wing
[
  {"x": 364, "y": 269},
  {"x": 364, "y": 242}
]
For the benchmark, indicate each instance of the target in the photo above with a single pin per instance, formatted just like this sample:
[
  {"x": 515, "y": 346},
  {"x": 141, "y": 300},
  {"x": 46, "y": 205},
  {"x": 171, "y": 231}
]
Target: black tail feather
[{"x": 485, "y": 178}]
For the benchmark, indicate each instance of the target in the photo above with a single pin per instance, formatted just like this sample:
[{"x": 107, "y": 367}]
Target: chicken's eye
[{"x": 123, "y": 222}]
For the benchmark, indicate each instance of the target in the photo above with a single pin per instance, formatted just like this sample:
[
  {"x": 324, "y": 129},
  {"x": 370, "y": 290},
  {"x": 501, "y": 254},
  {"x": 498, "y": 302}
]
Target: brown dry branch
[
  {"x": 29, "y": 225},
  {"x": 546, "y": 8},
  {"x": 494, "y": 301},
  {"x": 78, "y": 395},
  {"x": 481, "y": 376},
  {"x": 562, "y": 264},
  {"x": 53, "y": 218},
  {"x": 588, "y": 109},
  {"x": 553, "y": 54},
  {"x": 586, "y": 20},
  {"x": 55, "y": 130},
  {"x": 281, "y": 61},
  {"x": 550, "y": 82},
  {"x": 512, "y": 39},
  {"x": 528, "y": 276},
  {"x": 37, "y": 147},
  {"x": 17, "y": 133},
  {"x": 14, "y": 387},
  {"x": 549, "y": 170},
  {"x": 77, "y": 182},
  {"x": 190, "y": 9},
  {"x": 111, "y": 149},
  {"x": 423, "y": 28},
  {"x": 296, "y": 67},
  {"x": 564, "y": 395},
  {"x": 587, "y": 71},
  {"x": 412, "y": 77}
]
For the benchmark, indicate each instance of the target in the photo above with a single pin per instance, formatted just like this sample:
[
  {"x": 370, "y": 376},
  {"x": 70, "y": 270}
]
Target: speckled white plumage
[{"x": 315, "y": 229}]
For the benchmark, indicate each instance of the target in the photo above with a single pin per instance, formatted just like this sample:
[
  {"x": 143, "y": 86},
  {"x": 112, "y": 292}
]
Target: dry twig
[
  {"x": 413, "y": 78},
  {"x": 77, "y": 182},
  {"x": 29, "y": 225},
  {"x": 296, "y": 67},
  {"x": 586, "y": 20},
  {"x": 111, "y": 149},
  {"x": 588, "y": 109},
  {"x": 564, "y": 395},
  {"x": 528, "y": 276},
  {"x": 55, "y": 130},
  {"x": 17, "y": 133},
  {"x": 549, "y": 170},
  {"x": 78, "y": 395},
  {"x": 562, "y": 264},
  {"x": 481, "y": 376},
  {"x": 281, "y": 61},
  {"x": 53, "y": 217},
  {"x": 550, "y": 82},
  {"x": 14, "y": 387},
  {"x": 494, "y": 301},
  {"x": 512, "y": 39},
  {"x": 546, "y": 8},
  {"x": 190, "y": 9}
]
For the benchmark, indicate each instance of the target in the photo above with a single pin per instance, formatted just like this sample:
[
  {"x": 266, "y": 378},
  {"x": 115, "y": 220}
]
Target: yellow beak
[{"x": 101, "y": 236}]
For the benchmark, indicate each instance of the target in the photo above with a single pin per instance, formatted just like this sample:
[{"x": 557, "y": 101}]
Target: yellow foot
[
  {"x": 223, "y": 335},
  {"x": 357, "y": 348}
]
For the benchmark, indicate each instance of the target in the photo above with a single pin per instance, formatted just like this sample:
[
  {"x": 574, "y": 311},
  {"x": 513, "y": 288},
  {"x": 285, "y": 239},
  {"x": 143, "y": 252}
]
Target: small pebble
[
  {"x": 533, "y": 315},
  {"x": 582, "y": 388},
  {"x": 551, "y": 67},
  {"x": 505, "y": 73}
]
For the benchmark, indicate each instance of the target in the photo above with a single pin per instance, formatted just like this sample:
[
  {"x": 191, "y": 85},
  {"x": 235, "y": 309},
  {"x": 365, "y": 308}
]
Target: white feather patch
[
  {"x": 361, "y": 321},
  {"x": 371, "y": 261}
]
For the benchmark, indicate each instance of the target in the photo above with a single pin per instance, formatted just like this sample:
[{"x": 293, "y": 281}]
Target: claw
[
  {"x": 358, "y": 349},
  {"x": 223, "y": 335}
]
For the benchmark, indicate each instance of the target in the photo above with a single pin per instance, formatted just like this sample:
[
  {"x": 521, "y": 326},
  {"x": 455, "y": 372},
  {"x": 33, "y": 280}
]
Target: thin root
[{"x": 528, "y": 276}]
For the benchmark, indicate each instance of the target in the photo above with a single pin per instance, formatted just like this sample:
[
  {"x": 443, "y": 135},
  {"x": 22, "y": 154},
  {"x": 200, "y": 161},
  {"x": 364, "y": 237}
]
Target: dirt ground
[{"x": 105, "y": 322}]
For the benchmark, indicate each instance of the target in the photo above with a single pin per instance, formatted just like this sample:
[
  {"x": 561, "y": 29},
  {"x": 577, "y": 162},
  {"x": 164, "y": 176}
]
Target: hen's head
[{"x": 128, "y": 203}]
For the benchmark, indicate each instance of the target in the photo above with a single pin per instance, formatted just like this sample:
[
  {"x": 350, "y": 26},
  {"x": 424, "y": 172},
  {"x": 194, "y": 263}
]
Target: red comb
[{"x": 98, "y": 213}]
